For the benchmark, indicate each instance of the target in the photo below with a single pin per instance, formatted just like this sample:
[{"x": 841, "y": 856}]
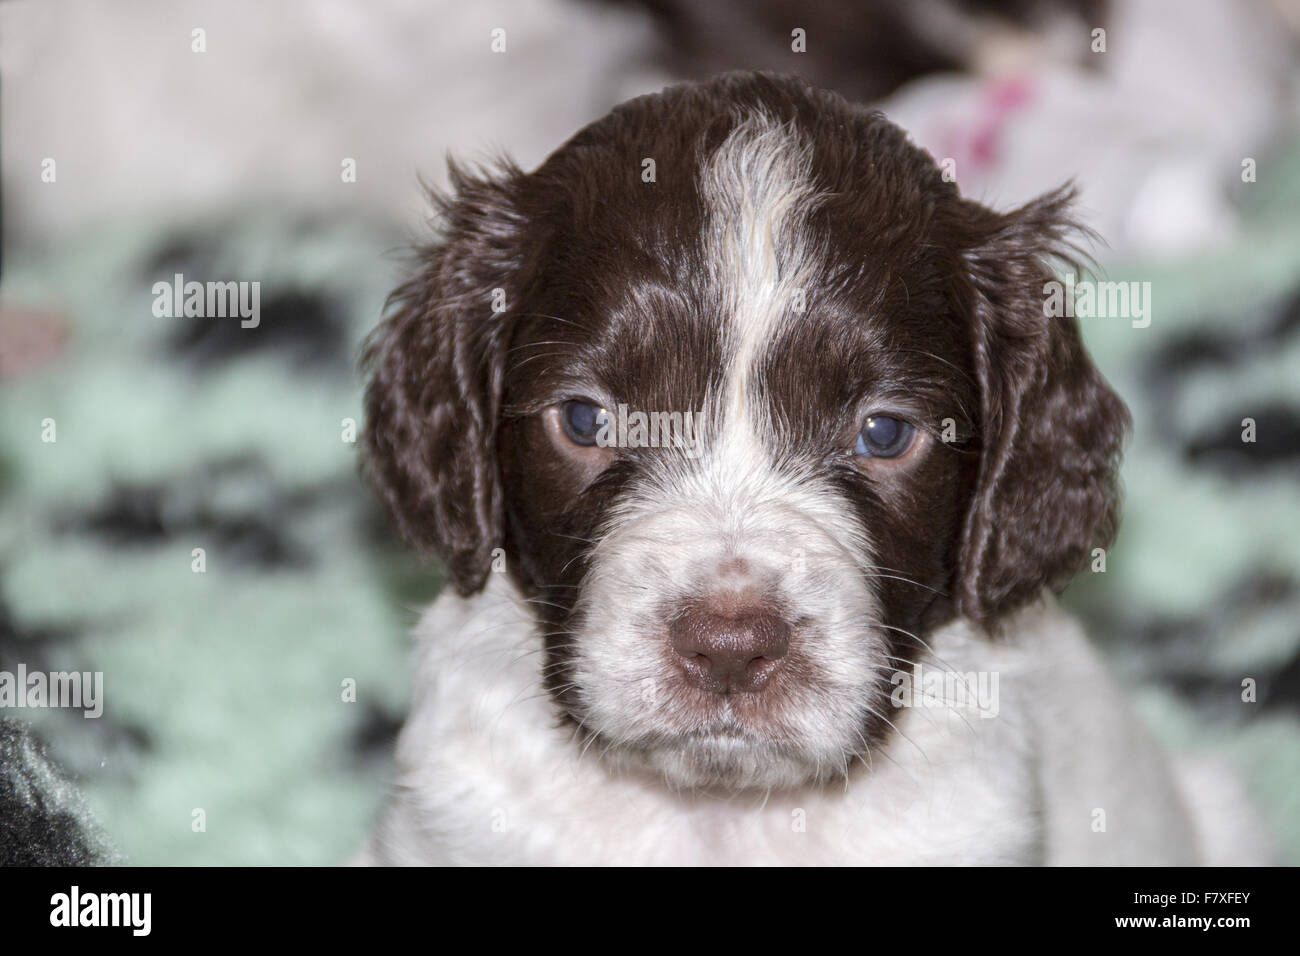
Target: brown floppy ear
[
  {"x": 435, "y": 368},
  {"x": 1051, "y": 429}
]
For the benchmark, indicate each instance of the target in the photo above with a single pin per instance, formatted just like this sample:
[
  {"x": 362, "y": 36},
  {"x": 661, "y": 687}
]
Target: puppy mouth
[
  {"x": 726, "y": 756},
  {"x": 798, "y": 727},
  {"x": 725, "y": 735},
  {"x": 729, "y": 669},
  {"x": 723, "y": 749},
  {"x": 719, "y": 732}
]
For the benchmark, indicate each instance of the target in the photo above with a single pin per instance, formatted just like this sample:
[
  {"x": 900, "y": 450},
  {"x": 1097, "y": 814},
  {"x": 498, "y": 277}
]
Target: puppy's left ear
[
  {"x": 1051, "y": 430},
  {"x": 436, "y": 368}
]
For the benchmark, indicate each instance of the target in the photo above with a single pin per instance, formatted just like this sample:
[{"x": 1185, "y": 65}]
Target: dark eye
[
  {"x": 582, "y": 421},
  {"x": 883, "y": 437}
]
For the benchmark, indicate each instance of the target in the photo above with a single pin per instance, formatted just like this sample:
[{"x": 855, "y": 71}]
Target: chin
[{"x": 731, "y": 760}]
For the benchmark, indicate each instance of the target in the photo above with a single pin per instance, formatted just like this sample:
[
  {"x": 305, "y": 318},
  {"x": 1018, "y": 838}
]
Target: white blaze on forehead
[{"x": 758, "y": 195}]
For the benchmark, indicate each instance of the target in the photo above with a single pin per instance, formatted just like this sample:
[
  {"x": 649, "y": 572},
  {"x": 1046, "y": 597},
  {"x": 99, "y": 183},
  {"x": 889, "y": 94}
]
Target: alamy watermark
[
  {"x": 76, "y": 690},
  {"x": 636, "y": 429},
  {"x": 946, "y": 689},
  {"x": 209, "y": 300},
  {"x": 1088, "y": 299}
]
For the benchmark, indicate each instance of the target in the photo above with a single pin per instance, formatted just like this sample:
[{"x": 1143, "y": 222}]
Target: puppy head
[{"x": 866, "y": 422}]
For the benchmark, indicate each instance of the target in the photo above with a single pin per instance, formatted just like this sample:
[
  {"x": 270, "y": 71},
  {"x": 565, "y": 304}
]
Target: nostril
[
  {"x": 740, "y": 650},
  {"x": 697, "y": 660}
]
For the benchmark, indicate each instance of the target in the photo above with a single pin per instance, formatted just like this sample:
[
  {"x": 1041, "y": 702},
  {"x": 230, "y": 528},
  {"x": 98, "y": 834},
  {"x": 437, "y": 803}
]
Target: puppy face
[{"x": 884, "y": 428}]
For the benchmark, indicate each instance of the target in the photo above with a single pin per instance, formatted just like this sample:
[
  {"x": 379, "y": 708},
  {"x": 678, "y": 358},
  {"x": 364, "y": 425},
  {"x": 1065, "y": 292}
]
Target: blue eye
[
  {"x": 582, "y": 421},
  {"x": 883, "y": 437}
]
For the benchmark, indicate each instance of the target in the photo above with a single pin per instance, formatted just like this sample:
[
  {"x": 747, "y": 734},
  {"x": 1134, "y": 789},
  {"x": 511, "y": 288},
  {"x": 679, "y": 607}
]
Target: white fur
[
  {"x": 487, "y": 774},
  {"x": 734, "y": 502},
  {"x": 758, "y": 256},
  {"x": 731, "y": 503}
]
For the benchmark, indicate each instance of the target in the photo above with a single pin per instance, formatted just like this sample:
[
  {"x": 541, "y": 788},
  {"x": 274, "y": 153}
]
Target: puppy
[{"x": 754, "y": 460}]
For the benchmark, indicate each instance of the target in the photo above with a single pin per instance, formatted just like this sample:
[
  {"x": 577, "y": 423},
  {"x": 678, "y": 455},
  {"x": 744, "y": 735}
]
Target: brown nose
[{"x": 730, "y": 650}]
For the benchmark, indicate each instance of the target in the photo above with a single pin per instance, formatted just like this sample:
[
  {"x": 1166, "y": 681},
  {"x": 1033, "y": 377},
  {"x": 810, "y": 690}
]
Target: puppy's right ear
[
  {"x": 1051, "y": 428},
  {"x": 435, "y": 368}
]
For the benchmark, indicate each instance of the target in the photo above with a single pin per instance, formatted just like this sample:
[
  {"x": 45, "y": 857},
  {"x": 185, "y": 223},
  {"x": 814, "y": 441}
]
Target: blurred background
[{"x": 284, "y": 144}]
